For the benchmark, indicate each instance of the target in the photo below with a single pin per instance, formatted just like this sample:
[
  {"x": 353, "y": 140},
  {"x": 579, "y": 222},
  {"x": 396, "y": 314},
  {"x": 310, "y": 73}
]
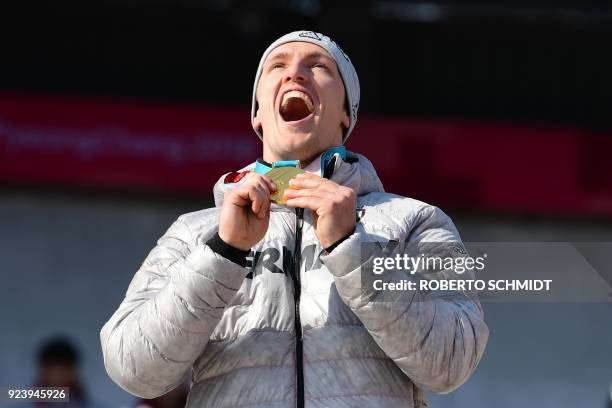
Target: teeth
[{"x": 298, "y": 94}]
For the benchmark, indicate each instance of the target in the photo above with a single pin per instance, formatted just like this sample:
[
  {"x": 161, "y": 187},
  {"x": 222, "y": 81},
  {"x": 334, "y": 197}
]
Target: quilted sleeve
[
  {"x": 437, "y": 341},
  {"x": 171, "y": 307}
]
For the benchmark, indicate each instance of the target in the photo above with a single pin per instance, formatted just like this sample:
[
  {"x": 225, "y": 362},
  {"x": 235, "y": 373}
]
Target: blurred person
[
  {"x": 262, "y": 296},
  {"x": 58, "y": 366}
]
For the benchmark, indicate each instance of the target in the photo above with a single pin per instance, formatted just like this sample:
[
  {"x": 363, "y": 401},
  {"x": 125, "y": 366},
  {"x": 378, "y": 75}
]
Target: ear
[
  {"x": 256, "y": 123},
  {"x": 346, "y": 120}
]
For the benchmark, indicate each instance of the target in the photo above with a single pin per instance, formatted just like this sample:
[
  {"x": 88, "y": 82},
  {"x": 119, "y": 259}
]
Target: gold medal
[{"x": 281, "y": 176}]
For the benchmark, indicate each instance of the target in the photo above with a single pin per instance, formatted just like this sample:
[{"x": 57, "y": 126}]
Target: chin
[
  {"x": 298, "y": 148},
  {"x": 295, "y": 139}
]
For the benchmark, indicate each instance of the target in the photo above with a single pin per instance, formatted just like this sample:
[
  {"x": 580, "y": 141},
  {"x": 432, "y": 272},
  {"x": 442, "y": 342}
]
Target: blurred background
[{"x": 118, "y": 116}]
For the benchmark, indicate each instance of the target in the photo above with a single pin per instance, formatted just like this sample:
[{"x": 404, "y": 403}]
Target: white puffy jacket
[{"x": 189, "y": 307}]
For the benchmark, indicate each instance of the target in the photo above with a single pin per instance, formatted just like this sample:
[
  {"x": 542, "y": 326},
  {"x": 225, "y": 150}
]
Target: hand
[
  {"x": 246, "y": 212},
  {"x": 332, "y": 205}
]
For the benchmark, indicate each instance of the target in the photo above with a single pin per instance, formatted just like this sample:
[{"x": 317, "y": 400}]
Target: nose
[{"x": 295, "y": 72}]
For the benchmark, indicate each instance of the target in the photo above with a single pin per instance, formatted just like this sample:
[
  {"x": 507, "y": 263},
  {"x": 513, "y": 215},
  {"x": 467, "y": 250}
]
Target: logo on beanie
[{"x": 310, "y": 34}]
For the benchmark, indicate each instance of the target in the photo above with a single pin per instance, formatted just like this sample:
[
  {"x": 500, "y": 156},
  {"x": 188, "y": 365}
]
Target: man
[
  {"x": 264, "y": 300},
  {"x": 58, "y": 366}
]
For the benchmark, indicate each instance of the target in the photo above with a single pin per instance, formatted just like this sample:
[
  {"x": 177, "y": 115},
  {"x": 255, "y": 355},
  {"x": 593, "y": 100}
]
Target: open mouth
[{"x": 296, "y": 105}]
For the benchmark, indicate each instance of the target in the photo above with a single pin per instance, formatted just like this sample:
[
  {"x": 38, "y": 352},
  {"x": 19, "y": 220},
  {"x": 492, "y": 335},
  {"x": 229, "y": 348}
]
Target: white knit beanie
[{"x": 345, "y": 66}]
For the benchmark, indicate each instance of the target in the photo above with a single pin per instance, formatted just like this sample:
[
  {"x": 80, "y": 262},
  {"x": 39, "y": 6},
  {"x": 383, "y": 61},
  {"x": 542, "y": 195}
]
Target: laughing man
[{"x": 263, "y": 301}]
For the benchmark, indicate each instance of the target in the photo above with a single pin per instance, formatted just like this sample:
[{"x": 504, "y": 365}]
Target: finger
[
  {"x": 307, "y": 175},
  {"x": 270, "y": 183},
  {"x": 236, "y": 196},
  {"x": 311, "y": 203},
  {"x": 310, "y": 192},
  {"x": 264, "y": 199},
  {"x": 245, "y": 191},
  {"x": 265, "y": 209},
  {"x": 257, "y": 196},
  {"x": 314, "y": 177},
  {"x": 257, "y": 178},
  {"x": 300, "y": 183},
  {"x": 263, "y": 186},
  {"x": 255, "y": 202},
  {"x": 258, "y": 183},
  {"x": 266, "y": 182}
]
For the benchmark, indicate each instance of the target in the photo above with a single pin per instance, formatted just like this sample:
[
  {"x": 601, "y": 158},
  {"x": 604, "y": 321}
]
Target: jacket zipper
[{"x": 297, "y": 289}]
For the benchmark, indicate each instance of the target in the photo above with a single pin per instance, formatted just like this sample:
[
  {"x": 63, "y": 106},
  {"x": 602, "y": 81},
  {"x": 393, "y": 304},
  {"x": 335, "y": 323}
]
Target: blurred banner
[{"x": 120, "y": 145}]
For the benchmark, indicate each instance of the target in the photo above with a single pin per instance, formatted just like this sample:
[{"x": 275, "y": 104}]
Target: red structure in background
[{"x": 185, "y": 148}]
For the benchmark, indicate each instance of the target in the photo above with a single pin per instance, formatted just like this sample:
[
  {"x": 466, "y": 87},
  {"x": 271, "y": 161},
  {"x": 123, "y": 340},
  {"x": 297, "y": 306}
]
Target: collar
[{"x": 323, "y": 165}]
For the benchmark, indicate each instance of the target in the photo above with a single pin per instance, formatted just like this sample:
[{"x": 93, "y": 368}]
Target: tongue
[{"x": 294, "y": 109}]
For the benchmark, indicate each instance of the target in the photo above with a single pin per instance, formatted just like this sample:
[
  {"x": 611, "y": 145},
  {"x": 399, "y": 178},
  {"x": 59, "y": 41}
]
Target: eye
[
  {"x": 276, "y": 65},
  {"x": 319, "y": 65}
]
